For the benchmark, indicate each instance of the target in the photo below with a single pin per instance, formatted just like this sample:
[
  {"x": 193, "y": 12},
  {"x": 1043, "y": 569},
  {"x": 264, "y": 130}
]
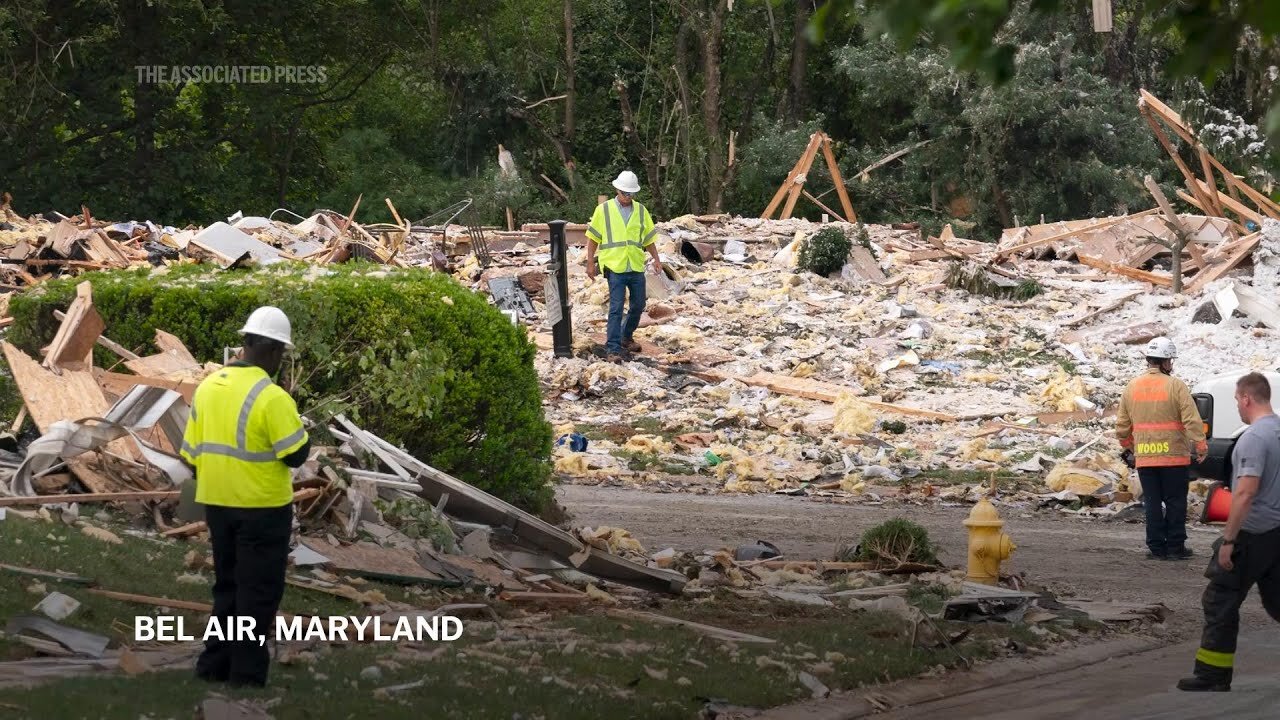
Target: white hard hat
[
  {"x": 627, "y": 182},
  {"x": 271, "y": 323},
  {"x": 1161, "y": 347}
]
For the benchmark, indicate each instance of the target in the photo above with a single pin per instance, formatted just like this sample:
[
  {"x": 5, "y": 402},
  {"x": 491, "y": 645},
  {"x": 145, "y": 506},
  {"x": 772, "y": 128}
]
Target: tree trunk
[
  {"x": 571, "y": 93},
  {"x": 646, "y": 156},
  {"x": 799, "y": 49},
  {"x": 712, "y": 41}
]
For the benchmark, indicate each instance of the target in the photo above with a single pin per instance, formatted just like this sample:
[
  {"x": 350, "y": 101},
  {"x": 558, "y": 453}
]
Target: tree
[{"x": 974, "y": 31}]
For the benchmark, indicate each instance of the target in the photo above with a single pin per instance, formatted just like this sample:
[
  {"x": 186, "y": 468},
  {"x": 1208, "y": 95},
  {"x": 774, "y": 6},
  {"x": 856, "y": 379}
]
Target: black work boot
[
  {"x": 1182, "y": 553},
  {"x": 1198, "y": 683},
  {"x": 1151, "y": 555}
]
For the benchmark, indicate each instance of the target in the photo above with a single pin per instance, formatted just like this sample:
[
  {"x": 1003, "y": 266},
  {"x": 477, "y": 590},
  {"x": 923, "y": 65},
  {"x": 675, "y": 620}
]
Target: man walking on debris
[
  {"x": 620, "y": 232},
  {"x": 1158, "y": 425},
  {"x": 243, "y": 435},
  {"x": 1249, "y": 550}
]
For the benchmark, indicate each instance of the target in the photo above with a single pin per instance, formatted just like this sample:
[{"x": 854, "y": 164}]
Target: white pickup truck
[{"x": 1216, "y": 401}]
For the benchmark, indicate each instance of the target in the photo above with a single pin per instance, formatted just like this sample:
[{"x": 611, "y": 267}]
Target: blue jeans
[
  {"x": 619, "y": 284},
  {"x": 1167, "y": 525}
]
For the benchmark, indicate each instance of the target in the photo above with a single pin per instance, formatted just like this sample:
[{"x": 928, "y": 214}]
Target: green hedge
[{"x": 409, "y": 354}]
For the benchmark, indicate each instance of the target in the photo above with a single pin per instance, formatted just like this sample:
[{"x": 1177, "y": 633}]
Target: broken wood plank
[
  {"x": 89, "y": 498},
  {"x": 1245, "y": 248},
  {"x": 152, "y": 600},
  {"x": 1118, "y": 269},
  {"x": 1104, "y": 309},
  {"x": 47, "y": 574},
  {"x": 375, "y": 562},
  {"x": 822, "y": 205},
  {"x": 168, "y": 343},
  {"x": 77, "y": 334},
  {"x": 799, "y": 168},
  {"x": 48, "y": 397},
  {"x": 834, "y": 169},
  {"x": 708, "y": 630},
  {"x": 533, "y": 596},
  {"x": 105, "y": 341},
  {"x": 119, "y": 384},
  {"x": 866, "y": 265},
  {"x": 191, "y": 528},
  {"x": 1235, "y": 206},
  {"x": 163, "y": 363}
]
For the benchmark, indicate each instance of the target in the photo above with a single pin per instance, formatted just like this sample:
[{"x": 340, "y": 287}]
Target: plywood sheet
[
  {"x": 373, "y": 561},
  {"x": 163, "y": 363},
  {"x": 49, "y": 398},
  {"x": 169, "y": 343}
]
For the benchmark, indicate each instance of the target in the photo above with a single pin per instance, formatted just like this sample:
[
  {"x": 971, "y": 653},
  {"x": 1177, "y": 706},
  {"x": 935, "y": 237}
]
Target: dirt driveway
[{"x": 1102, "y": 560}]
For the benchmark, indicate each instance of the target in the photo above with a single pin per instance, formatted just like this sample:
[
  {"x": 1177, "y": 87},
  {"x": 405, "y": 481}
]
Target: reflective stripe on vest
[
  {"x": 240, "y": 450},
  {"x": 615, "y": 248}
]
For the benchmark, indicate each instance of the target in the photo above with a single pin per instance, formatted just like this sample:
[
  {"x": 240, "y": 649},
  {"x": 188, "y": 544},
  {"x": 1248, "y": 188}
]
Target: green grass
[
  {"x": 143, "y": 566},
  {"x": 582, "y": 664},
  {"x": 952, "y": 476}
]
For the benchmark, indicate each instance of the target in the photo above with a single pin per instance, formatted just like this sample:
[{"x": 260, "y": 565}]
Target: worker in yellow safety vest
[
  {"x": 620, "y": 232},
  {"x": 242, "y": 437},
  {"x": 1158, "y": 425}
]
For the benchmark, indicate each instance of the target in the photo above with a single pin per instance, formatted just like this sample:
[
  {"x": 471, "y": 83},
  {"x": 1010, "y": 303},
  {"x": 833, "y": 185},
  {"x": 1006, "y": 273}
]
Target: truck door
[{"x": 1216, "y": 465}]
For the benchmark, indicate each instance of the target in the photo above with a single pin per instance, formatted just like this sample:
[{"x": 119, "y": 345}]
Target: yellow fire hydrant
[{"x": 988, "y": 546}]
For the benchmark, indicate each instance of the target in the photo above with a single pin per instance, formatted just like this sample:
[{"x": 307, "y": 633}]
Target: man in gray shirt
[{"x": 1248, "y": 552}]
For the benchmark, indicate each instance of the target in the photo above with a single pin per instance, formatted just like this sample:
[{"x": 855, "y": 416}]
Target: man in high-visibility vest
[
  {"x": 620, "y": 232},
  {"x": 1158, "y": 423},
  {"x": 242, "y": 437}
]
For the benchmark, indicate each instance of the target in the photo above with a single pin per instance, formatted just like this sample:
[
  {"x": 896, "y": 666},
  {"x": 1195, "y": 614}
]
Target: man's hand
[
  {"x": 657, "y": 265},
  {"x": 1224, "y": 557},
  {"x": 592, "y": 269}
]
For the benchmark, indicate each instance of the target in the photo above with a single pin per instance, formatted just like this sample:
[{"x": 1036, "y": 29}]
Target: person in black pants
[{"x": 242, "y": 437}]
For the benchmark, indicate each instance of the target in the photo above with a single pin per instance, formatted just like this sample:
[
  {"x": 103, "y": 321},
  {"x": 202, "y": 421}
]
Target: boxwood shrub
[{"x": 409, "y": 354}]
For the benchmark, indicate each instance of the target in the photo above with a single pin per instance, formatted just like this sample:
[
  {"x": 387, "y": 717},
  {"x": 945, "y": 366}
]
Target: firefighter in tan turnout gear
[{"x": 1159, "y": 425}]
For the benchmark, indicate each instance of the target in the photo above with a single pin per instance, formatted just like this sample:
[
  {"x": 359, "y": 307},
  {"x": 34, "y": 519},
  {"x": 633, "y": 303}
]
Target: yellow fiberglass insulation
[
  {"x": 1061, "y": 392},
  {"x": 1073, "y": 479},
  {"x": 647, "y": 444},
  {"x": 853, "y": 416}
]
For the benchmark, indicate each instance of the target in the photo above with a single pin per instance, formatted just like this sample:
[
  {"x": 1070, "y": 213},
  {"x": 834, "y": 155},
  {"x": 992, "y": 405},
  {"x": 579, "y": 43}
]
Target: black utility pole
[{"x": 562, "y": 331}]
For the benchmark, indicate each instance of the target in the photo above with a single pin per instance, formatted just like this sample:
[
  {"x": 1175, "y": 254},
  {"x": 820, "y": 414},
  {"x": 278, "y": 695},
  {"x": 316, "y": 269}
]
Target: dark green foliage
[
  {"x": 893, "y": 427},
  {"x": 976, "y": 281},
  {"x": 452, "y": 381},
  {"x": 897, "y": 541},
  {"x": 825, "y": 251}
]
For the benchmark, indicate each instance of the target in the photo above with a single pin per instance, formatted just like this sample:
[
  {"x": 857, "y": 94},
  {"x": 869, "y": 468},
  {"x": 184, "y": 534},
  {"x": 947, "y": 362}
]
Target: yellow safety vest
[
  {"x": 240, "y": 428},
  {"x": 621, "y": 243}
]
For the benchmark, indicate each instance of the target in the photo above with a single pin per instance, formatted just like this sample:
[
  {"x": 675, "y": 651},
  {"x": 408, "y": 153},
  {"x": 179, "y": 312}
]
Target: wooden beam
[
  {"x": 1211, "y": 184},
  {"x": 825, "y": 209},
  {"x": 152, "y": 600},
  {"x": 1104, "y": 309},
  {"x": 1244, "y": 248},
  {"x": 1151, "y": 103},
  {"x": 1264, "y": 203},
  {"x": 1118, "y": 269},
  {"x": 80, "y": 328},
  {"x": 785, "y": 188},
  {"x": 1172, "y": 151},
  {"x": 798, "y": 180},
  {"x": 89, "y": 497},
  {"x": 1233, "y": 205},
  {"x": 837, "y": 179}
]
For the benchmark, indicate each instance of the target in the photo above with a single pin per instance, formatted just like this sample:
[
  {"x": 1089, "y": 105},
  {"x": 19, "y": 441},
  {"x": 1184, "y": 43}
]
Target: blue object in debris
[
  {"x": 577, "y": 443},
  {"x": 945, "y": 365}
]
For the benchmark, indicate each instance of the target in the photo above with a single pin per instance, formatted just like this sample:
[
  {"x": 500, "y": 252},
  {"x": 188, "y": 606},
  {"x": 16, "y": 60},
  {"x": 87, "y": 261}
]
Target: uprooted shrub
[
  {"x": 977, "y": 281},
  {"x": 408, "y": 354},
  {"x": 825, "y": 251},
  {"x": 895, "y": 542}
]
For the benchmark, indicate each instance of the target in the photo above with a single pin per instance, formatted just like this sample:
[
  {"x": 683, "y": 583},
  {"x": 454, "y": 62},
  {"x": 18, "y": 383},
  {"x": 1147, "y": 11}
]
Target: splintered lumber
[
  {"x": 866, "y": 265},
  {"x": 708, "y": 630},
  {"x": 73, "y": 343},
  {"x": 104, "y": 341},
  {"x": 1243, "y": 249},
  {"x": 171, "y": 344},
  {"x": 822, "y": 205},
  {"x": 46, "y": 574},
  {"x": 1231, "y": 204},
  {"x": 1104, "y": 309},
  {"x": 151, "y": 600},
  {"x": 1118, "y": 269},
  {"x": 799, "y": 169},
  {"x": 373, "y": 561},
  {"x": 50, "y": 398},
  {"x": 89, "y": 498},
  {"x": 119, "y": 384},
  {"x": 544, "y": 597},
  {"x": 1079, "y": 231}
]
